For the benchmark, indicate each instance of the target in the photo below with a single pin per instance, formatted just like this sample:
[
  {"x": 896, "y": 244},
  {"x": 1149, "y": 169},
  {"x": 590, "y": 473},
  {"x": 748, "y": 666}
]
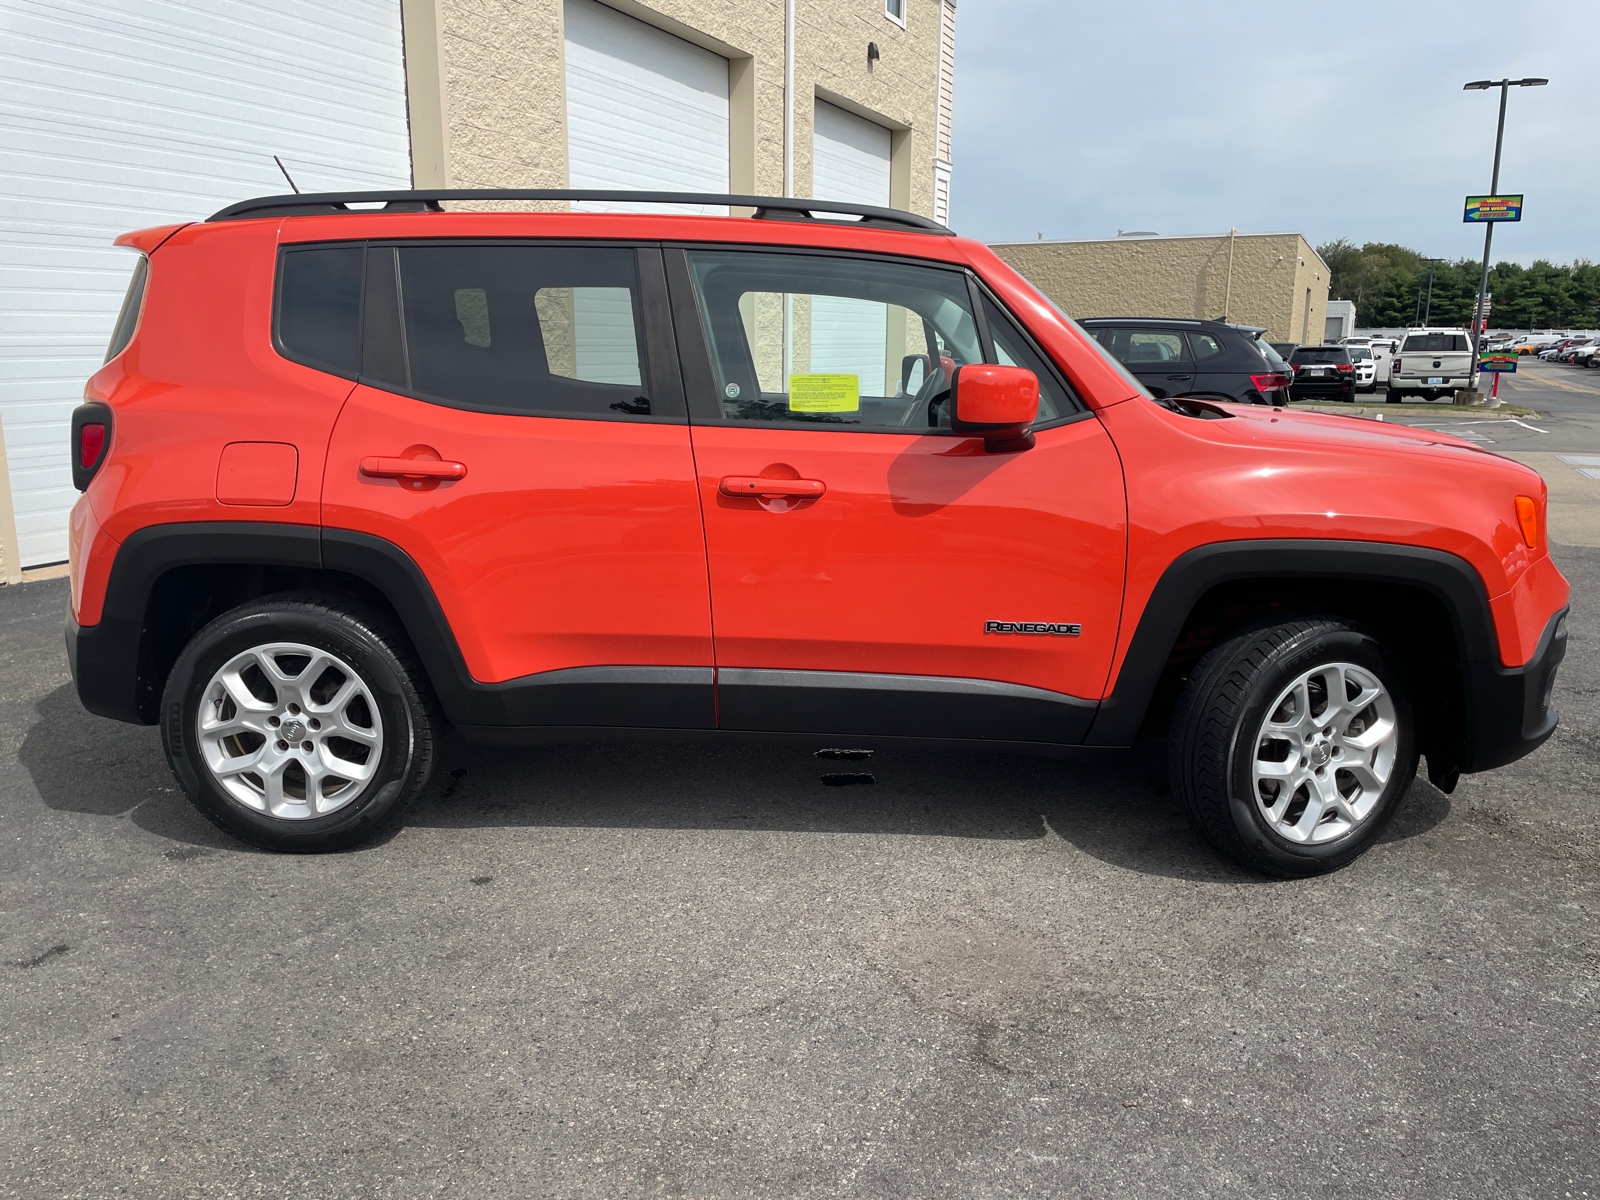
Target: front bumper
[{"x": 1510, "y": 706}]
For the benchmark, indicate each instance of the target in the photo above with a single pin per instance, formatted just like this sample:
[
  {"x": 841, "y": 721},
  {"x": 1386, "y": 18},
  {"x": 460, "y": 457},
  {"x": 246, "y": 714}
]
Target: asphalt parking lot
[{"x": 687, "y": 971}]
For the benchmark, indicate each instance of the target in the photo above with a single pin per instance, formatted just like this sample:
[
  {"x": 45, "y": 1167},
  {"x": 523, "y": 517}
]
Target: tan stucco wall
[
  {"x": 488, "y": 97},
  {"x": 1182, "y": 277}
]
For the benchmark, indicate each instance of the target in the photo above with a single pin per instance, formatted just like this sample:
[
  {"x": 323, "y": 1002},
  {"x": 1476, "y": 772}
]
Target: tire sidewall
[
  {"x": 1320, "y": 647},
  {"x": 336, "y": 633}
]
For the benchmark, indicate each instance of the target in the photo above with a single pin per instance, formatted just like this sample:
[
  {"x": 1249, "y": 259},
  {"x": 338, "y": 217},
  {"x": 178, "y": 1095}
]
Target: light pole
[
  {"x": 1505, "y": 86},
  {"x": 1427, "y": 312}
]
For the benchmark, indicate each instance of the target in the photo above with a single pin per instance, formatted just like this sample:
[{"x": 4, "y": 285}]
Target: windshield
[
  {"x": 1360, "y": 353},
  {"x": 1435, "y": 343},
  {"x": 1320, "y": 354}
]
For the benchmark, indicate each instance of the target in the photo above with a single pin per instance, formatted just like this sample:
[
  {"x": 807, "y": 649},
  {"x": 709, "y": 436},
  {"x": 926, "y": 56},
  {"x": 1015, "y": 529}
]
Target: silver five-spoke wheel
[
  {"x": 1325, "y": 752},
  {"x": 289, "y": 730}
]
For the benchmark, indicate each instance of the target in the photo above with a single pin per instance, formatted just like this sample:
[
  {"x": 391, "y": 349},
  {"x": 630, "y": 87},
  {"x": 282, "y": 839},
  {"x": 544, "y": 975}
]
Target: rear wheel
[
  {"x": 1293, "y": 746},
  {"x": 297, "y": 724},
  {"x": 1395, "y": 396}
]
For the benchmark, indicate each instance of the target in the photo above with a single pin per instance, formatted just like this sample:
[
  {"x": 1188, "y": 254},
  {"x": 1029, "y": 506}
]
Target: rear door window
[
  {"x": 1203, "y": 346},
  {"x": 534, "y": 330},
  {"x": 1143, "y": 349}
]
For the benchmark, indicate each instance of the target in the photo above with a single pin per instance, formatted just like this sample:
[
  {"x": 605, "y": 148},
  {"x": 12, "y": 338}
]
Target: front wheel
[
  {"x": 298, "y": 724},
  {"x": 1293, "y": 746}
]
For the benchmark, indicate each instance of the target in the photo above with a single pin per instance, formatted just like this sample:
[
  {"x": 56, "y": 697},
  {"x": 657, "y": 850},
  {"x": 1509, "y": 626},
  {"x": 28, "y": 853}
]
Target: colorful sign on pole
[
  {"x": 1498, "y": 363},
  {"x": 1493, "y": 208}
]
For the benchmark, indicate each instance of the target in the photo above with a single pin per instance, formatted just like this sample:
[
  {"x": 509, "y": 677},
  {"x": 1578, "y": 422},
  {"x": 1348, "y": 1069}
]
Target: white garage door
[
  {"x": 850, "y": 162},
  {"x": 145, "y": 112},
  {"x": 645, "y": 110}
]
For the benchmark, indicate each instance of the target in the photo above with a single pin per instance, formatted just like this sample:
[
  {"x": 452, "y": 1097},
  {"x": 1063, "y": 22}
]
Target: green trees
[{"x": 1389, "y": 285}]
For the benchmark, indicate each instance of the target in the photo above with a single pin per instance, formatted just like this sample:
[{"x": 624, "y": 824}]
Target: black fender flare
[
  {"x": 1504, "y": 719},
  {"x": 106, "y": 657}
]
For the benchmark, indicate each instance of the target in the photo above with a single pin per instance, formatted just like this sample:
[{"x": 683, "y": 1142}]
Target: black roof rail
[{"x": 771, "y": 208}]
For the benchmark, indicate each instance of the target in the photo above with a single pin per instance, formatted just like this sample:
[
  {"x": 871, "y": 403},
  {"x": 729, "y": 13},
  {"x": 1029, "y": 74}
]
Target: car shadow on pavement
[
  {"x": 81, "y": 763},
  {"x": 1116, "y": 810}
]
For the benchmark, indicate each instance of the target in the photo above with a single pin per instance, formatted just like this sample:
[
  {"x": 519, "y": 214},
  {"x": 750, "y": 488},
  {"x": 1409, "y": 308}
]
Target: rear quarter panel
[{"x": 201, "y": 372}]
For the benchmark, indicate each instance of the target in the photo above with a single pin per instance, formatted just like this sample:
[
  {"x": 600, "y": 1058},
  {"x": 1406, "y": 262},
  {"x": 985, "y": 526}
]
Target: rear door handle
[
  {"x": 754, "y": 485},
  {"x": 1179, "y": 376},
  {"x": 412, "y": 468}
]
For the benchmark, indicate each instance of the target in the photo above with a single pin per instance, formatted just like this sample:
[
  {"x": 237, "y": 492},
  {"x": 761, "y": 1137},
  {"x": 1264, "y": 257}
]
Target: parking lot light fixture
[{"x": 1505, "y": 86}]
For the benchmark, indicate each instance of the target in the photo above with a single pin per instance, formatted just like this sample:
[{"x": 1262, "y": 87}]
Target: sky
[{"x": 1075, "y": 120}]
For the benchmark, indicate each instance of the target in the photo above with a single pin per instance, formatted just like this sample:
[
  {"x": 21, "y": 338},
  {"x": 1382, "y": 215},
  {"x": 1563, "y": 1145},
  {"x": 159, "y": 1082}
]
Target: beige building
[
  {"x": 833, "y": 99},
  {"x": 1275, "y": 280}
]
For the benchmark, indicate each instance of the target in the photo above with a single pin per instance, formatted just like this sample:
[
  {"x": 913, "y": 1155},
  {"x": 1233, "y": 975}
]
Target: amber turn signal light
[{"x": 1528, "y": 518}]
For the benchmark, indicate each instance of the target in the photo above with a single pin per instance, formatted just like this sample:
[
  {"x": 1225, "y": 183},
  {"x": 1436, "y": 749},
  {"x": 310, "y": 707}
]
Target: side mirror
[{"x": 996, "y": 404}]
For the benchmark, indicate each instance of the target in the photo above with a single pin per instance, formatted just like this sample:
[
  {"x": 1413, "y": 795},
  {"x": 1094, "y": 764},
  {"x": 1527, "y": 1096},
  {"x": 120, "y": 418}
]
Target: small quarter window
[
  {"x": 1204, "y": 346},
  {"x": 128, "y": 318},
  {"x": 319, "y": 307}
]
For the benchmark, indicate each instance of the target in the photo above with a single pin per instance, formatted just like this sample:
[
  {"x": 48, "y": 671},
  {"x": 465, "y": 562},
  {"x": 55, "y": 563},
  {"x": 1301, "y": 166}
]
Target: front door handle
[
  {"x": 1179, "y": 377},
  {"x": 770, "y": 489},
  {"x": 412, "y": 468}
]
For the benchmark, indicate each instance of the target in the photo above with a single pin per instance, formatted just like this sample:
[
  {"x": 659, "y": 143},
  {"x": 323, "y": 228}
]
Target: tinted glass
[
  {"x": 319, "y": 307},
  {"x": 538, "y": 330},
  {"x": 1435, "y": 343},
  {"x": 1203, "y": 346},
  {"x": 1013, "y": 348},
  {"x": 1269, "y": 353},
  {"x": 1321, "y": 354},
  {"x": 1142, "y": 347},
  {"x": 128, "y": 318},
  {"x": 814, "y": 340}
]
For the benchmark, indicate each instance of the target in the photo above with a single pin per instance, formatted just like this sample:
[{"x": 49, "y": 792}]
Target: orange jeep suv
[{"x": 357, "y": 469}]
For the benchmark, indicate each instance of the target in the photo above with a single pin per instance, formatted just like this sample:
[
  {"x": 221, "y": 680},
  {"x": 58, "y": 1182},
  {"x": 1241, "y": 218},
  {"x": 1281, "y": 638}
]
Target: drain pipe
[{"x": 788, "y": 97}]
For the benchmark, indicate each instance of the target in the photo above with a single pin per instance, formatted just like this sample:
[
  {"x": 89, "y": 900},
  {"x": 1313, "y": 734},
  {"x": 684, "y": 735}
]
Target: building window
[{"x": 895, "y": 10}]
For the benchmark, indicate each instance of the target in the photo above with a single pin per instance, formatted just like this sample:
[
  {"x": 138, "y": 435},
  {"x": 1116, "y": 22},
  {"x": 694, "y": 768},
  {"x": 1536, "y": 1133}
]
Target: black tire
[
  {"x": 1394, "y": 396},
  {"x": 402, "y": 711},
  {"x": 1224, "y": 705}
]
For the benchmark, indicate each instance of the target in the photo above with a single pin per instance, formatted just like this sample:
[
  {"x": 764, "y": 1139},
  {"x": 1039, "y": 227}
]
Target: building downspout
[
  {"x": 788, "y": 173},
  {"x": 1227, "y": 296},
  {"x": 788, "y": 97}
]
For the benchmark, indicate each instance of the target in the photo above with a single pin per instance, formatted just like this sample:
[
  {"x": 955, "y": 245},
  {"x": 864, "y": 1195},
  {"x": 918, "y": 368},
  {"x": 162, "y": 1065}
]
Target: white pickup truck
[{"x": 1432, "y": 363}]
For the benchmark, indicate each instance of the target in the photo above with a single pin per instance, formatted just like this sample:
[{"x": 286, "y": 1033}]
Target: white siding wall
[{"x": 118, "y": 116}]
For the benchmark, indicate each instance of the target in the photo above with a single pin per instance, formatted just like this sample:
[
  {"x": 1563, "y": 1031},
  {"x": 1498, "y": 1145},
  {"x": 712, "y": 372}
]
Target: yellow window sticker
[{"x": 824, "y": 393}]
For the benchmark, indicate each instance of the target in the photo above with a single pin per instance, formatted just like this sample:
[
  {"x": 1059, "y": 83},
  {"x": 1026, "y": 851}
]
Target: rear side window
[
  {"x": 1204, "y": 346},
  {"x": 128, "y": 318},
  {"x": 1142, "y": 347},
  {"x": 1435, "y": 343},
  {"x": 319, "y": 307},
  {"x": 535, "y": 330}
]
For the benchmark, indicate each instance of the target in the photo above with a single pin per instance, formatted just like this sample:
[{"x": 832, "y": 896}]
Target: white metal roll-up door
[
  {"x": 850, "y": 162},
  {"x": 120, "y": 116},
  {"x": 645, "y": 110}
]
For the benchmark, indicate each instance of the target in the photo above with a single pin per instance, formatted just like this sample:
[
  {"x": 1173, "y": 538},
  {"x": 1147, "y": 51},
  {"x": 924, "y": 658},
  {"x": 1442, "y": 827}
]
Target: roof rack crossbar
[{"x": 774, "y": 208}]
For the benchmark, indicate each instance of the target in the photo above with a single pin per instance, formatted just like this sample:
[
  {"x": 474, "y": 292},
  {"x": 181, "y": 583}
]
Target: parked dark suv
[
  {"x": 1323, "y": 373},
  {"x": 1205, "y": 360}
]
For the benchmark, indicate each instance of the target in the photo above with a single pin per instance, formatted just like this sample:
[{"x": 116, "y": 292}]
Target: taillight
[
  {"x": 1270, "y": 383},
  {"x": 1528, "y": 518},
  {"x": 1396, "y": 365},
  {"x": 1343, "y": 367},
  {"x": 91, "y": 440}
]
